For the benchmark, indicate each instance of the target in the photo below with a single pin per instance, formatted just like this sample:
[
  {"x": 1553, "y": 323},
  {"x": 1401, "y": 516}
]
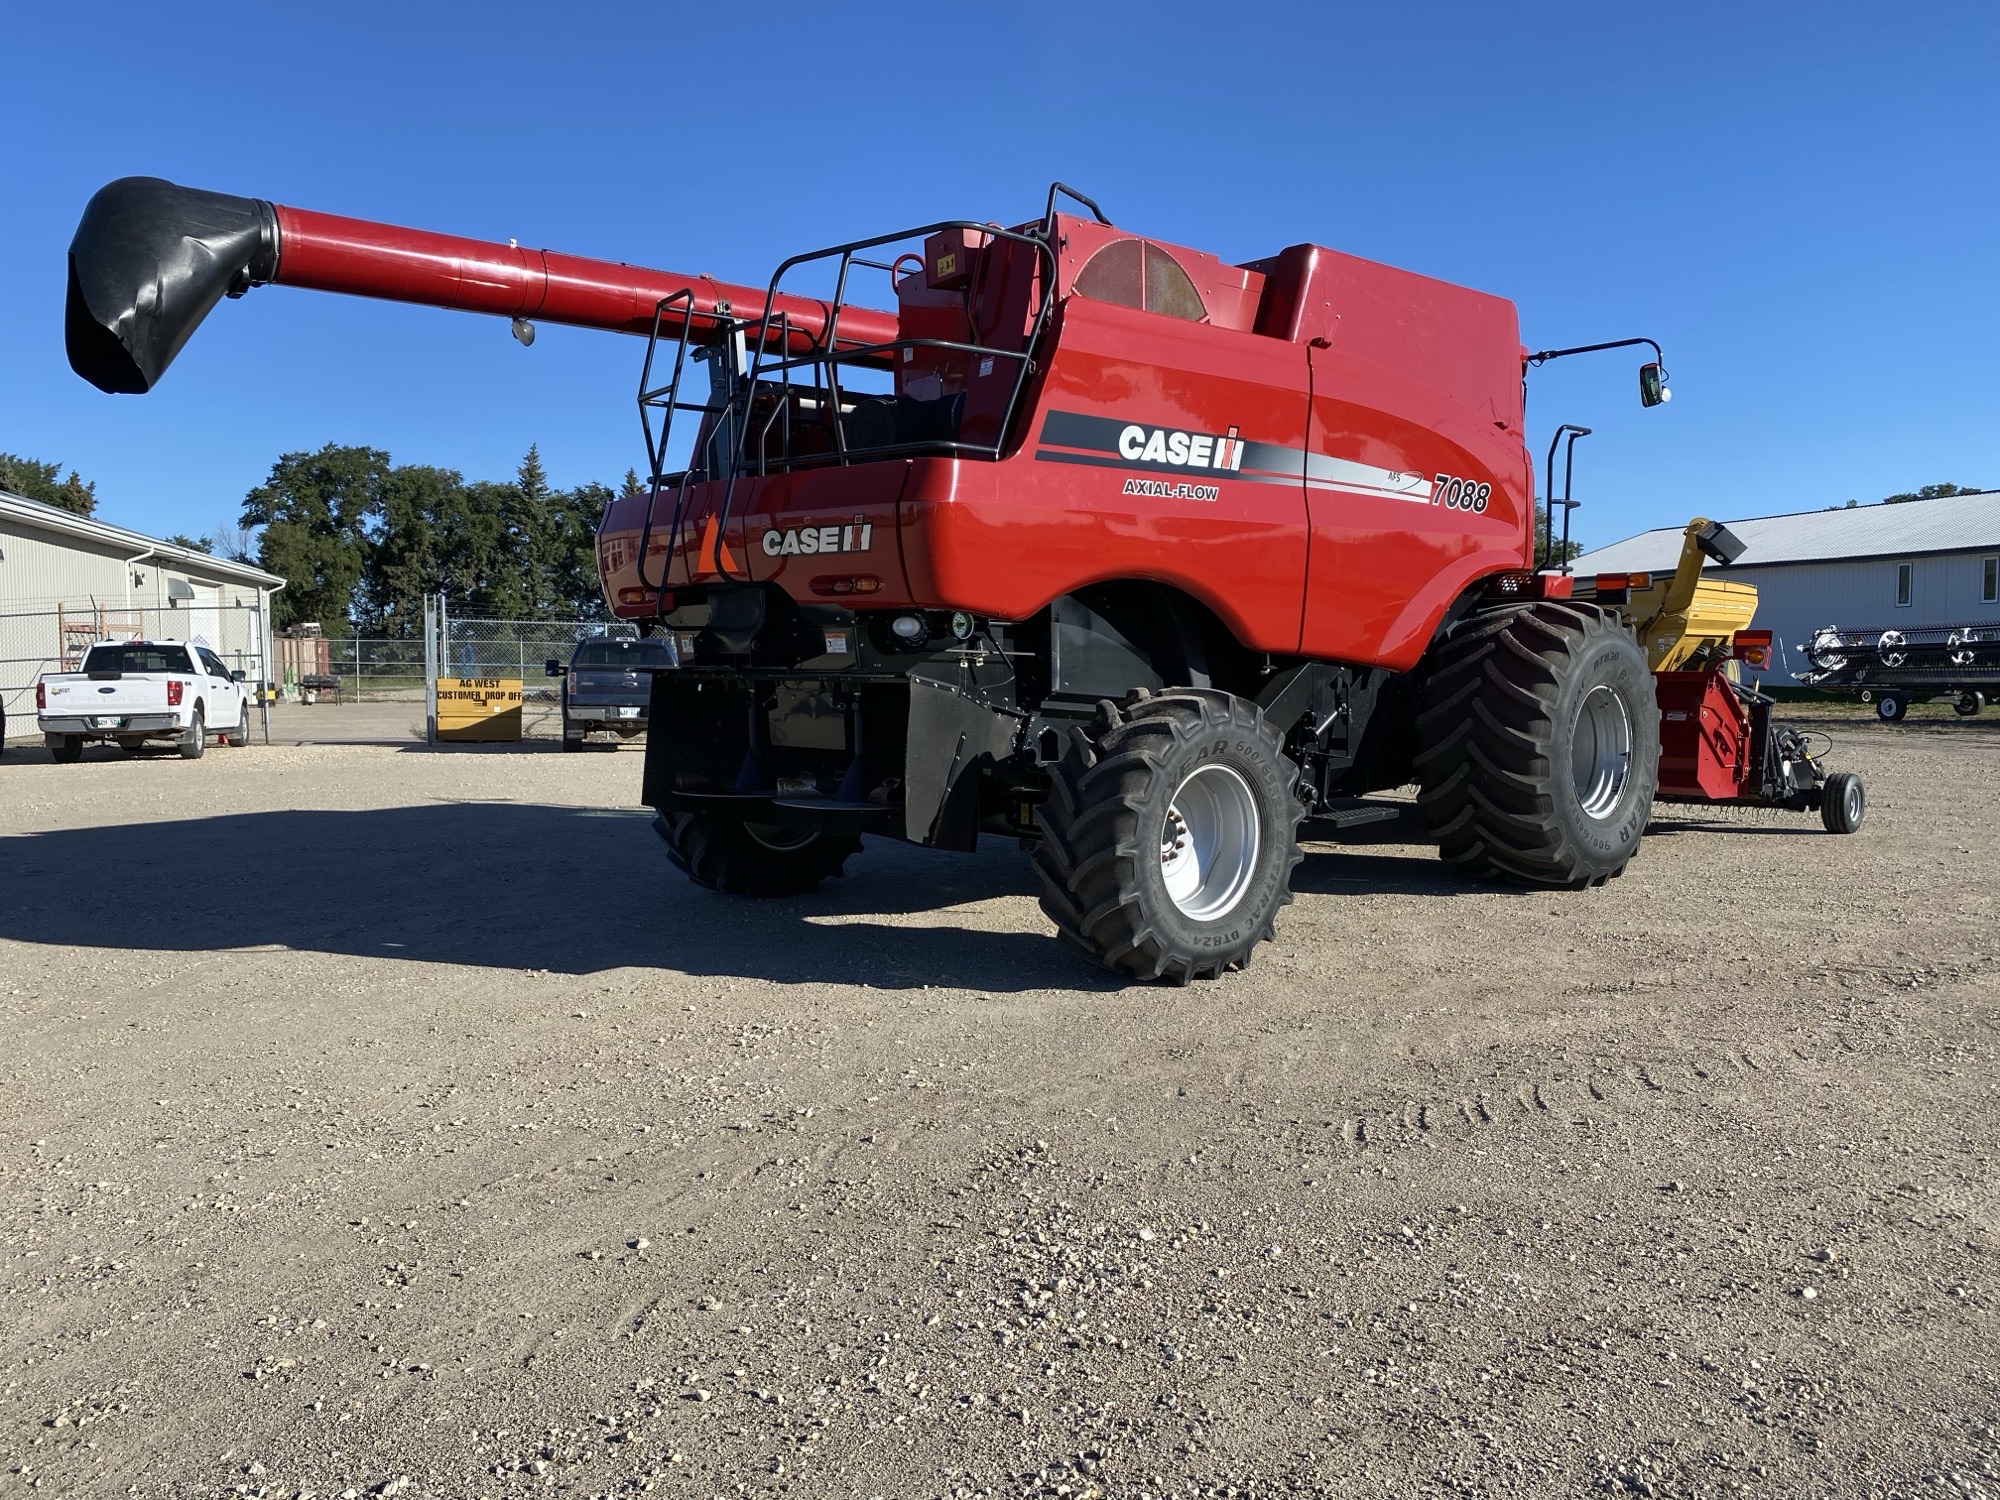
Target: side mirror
[
  {"x": 1653, "y": 386},
  {"x": 236, "y": 676},
  {"x": 553, "y": 668}
]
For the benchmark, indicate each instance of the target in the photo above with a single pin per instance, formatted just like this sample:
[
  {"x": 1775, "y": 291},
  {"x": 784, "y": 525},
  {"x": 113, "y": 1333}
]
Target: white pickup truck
[{"x": 129, "y": 692}]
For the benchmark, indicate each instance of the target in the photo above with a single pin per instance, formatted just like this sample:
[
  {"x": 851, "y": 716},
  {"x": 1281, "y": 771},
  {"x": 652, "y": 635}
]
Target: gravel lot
[{"x": 390, "y": 1121}]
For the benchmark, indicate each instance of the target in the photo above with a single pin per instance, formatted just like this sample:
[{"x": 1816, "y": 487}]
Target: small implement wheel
[
  {"x": 1539, "y": 746},
  {"x": 1843, "y": 804},
  {"x": 67, "y": 749},
  {"x": 238, "y": 737},
  {"x": 1169, "y": 835},
  {"x": 1892, "y": 708},
  {"x": 1968, "y": 704},
  {"x": 752, "y": 859},
  {"x": 195, "y": 740}
]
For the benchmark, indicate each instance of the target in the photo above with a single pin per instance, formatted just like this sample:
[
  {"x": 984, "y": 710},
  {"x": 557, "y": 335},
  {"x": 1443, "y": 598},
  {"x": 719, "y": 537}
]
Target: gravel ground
[{"x": 382, "y": 1121}]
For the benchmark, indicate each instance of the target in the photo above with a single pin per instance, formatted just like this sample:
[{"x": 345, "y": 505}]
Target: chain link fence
[
  {"x": 516, "y": 650},
  {"x": 314, "y": 668}
]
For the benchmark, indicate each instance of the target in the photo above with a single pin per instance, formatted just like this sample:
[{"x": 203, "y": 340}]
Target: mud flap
[{"x": 952, "y": 740}]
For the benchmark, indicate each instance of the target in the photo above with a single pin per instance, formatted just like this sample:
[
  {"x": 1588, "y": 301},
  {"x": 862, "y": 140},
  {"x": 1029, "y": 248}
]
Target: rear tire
[
  {"x": 1843, "y": 803},
  {"x": 1170, "y": 834},
  {"x": 750, "y": 859},
  {"x": 572, "y": 738},
  {"x": 1892, "y": 708},
  {"x": 1539, "y": 740},
  {"x": 67, "y": 750},
  {"x": 196, "y": 739},
  {"x": 1968, "y": 704}
]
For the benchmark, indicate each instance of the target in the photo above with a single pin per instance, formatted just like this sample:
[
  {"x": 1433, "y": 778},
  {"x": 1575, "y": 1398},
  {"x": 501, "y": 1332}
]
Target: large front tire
[
  {"x": 752, "y": 859},
  {"x": 1169, "y": 835},
  {"x": 1539, "y": 746}
]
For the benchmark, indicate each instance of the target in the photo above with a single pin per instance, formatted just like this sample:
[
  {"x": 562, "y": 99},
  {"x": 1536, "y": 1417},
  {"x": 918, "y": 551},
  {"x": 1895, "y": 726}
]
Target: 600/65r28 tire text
[
  {"x": 1539, "y": 746},
  {"x": 1170, "y": 834},
  {"x": 752, "y": 859}
]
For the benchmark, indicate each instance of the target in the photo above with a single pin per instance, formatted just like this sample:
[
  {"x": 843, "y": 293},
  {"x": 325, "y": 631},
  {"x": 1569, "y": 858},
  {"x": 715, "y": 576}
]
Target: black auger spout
[{"x": 149, "y": 261}]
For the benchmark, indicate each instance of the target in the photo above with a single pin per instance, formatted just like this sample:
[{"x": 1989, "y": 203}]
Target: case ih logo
[
  {"x": 856, "y": 536},
  {"x": 1119, "y": 444},
  {"x": 1192, "y": 450},
  {"x": 1070, "y": 437}
]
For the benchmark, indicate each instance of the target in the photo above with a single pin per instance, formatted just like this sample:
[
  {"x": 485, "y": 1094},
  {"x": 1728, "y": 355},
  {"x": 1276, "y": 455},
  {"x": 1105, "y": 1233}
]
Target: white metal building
[
  {"x": 1923, "y": 562},
  {"x": 66, "y": 580}
]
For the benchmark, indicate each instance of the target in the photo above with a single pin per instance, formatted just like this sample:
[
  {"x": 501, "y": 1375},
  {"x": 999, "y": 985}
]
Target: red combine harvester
[{"x": 1094, "y": 540}]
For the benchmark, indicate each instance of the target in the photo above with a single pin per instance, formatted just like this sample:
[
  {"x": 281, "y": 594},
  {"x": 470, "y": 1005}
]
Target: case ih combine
[{"x": 1092, "y": 540}]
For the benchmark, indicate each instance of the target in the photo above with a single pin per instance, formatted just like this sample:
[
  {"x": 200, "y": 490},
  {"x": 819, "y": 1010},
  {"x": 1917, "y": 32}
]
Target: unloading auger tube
[{"x": 151, "y": 259}]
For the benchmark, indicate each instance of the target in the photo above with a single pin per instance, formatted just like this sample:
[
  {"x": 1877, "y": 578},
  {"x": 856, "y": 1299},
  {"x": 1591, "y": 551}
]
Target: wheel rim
[
  {"x": 1209, "y": 842},
  {"x": 1601, "y": 752},
  {"x": 779, "y": 838}
]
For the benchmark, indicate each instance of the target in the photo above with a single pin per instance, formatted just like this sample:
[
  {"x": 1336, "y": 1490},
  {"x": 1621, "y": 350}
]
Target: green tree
[
  {"x": 317, "y": 511},
  {"x": 416, "y": 548},
  {"x": 192, "y": 543},
  {"x": 578, "y": 594},
  {"x": 550, "y": 544},
  {"x": 1931, "y": 492},
  {"x": 37, "y": 481}
]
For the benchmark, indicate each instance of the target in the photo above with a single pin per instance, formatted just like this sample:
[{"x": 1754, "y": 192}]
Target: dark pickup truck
[{"x": 606, "y": 687}]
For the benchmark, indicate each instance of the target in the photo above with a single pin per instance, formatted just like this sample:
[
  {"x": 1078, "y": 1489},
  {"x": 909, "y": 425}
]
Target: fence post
[
  {"x": 263, "y": 669},
  {"x": 433, "y": 605}
]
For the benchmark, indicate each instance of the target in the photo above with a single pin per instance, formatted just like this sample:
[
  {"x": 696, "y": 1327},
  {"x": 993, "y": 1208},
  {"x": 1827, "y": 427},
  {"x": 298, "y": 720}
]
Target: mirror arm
[{"x": 1543, "y": 356}]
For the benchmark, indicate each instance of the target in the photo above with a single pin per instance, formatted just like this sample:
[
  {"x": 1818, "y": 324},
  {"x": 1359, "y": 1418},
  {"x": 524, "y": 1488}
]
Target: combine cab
[{"x": 1077, "y": 537}]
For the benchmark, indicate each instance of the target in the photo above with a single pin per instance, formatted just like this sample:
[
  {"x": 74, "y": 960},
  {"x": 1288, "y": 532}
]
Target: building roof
[
  {"x": 136, "y": 544},
  {"x": 1954, "y": 523}
]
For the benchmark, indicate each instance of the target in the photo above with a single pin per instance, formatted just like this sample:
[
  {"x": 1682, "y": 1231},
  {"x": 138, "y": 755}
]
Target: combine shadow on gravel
[
  {"x": 515, "y": 886},
  {"x": 506, "y": 885}
]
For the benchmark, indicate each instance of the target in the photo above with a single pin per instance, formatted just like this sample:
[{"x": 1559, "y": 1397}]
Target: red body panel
[
  {"x": 334, "y": 254},
  {"x": 1338, "y": 542},
  {"x": 1707, "y": 746}
]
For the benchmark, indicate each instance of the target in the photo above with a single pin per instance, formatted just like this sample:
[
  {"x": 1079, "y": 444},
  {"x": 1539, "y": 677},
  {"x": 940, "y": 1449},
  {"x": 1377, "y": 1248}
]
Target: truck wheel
[
  {"x": 240, "y": 735},
  {"x": 1170, "y": 834},
  {"x": 1843, "y": 804},
  {"x": 1539, "y": 745},
  {"x": 572, "y": 738},
  {"x": 196, "y": 739},
  {"x": 1968, "y": 704},
  {"x": 752, "y": 859},
  {"x": 66, "y": 749},
  {"x": 1892, "y": 708}
]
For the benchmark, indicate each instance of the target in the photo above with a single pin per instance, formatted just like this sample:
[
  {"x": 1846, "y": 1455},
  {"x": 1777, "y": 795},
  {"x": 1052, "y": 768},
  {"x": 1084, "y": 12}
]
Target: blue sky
[{"x": 1800, "y": 202}]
